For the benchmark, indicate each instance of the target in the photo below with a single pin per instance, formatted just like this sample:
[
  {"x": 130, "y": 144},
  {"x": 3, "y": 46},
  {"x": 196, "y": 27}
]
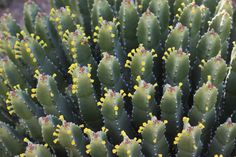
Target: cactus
[
  {"x": 189, "y": 140},
  {"x": 222, "y": 144},
  {"x": 171, "y": 110},
  {"x": 126, "y": 78},
  {"x": 154, "y": 142},
  {"x": 99, "y": 145}
]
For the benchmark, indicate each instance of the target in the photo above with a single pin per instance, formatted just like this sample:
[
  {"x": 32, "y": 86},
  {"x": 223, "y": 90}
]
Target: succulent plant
[{"x": 127, "y": 78}]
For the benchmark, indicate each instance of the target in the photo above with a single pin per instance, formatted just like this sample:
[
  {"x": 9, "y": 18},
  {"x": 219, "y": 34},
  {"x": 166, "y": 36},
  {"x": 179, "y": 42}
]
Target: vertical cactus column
[
  {"x": 114, "y": 115},
  {"x": 230, "y": 88},
  {"x": 189, "y": 140},
  {"x": 128, "y": 19},
  {"x": 128, "y": 147},
  {"x": 12, "y": 74},
  {"x": 177, "y": 67},
  {"x": 178, "y": 37},
  {"x": 154, "y": 142},
  {"x": 101, "y": 8},
  {"x": 31, "y": 10},
  {"x": 225, "y": 5},
  {"x": 217, "y": 68},
  {"x": 35, "y": 48},
  {"x": 77, "y": 46},
  {"x": 106, "y": 36},
  {"x": 191, "y": 17},
  {"x": 43, "y": 29},
  {"x": 48, "y": 125},
  {"x": 206, "y": 16},
  {"x": 99, "y": 145},
  {"x": 70, "y": 136},
  {"x": 208, "y": 46},
  {"x": 83, "y": 88},
  {"x": 172, "y": 110},
  {"x": 224, "y": 139},
  {"x": 26, "y": 109},
  {"x": 109, "y": 72},
  {"x": 36, "y": 150},
  {"x": 203, "y": 109},
  {"x": 63, "y": 19},
  {"x": 51, "y": 99},
  {"x": 222, "y": 24},
  {"x": 10, "y": 140},
  {"x": 9, "y": 24},
  {"x": 178, "y": 6},
  {"x": 211, "y": 4},
  {"x": 161, "y": 10},
  {"x": 141, "y": 63},
  {"x": 148, "y": 30},
  {"x": 143, "y": 101}
]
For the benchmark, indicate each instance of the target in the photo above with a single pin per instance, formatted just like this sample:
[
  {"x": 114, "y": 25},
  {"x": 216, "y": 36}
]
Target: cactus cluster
[{"x": 127, "y": 78}]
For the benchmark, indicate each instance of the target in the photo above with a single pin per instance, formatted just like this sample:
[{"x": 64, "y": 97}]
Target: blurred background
[{"x": 15, "y": 7}]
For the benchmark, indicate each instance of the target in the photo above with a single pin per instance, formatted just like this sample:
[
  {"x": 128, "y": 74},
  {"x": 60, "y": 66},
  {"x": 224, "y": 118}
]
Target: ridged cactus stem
[
  {"x": 99, "y": 145},
  {"x": 30, "y": 12},
  {"x": 172, "y": 110},
  {"x": 77, "y": 46},
  {"x": 9, "y": 25},
  {"x": 143, "y": 101},
  {"x": 49, "y": 126},
  {"x": 230, "y": 88},
  {"x": 106, "y": 78},
  {"x": 101, "y": 8},
  {"x": 114, "y": 114},
  {"x": 204, "y": 108},
  {"x": 109, "y": 72},
  {"x": 71, "y": 137},
  {"x": 178, "y": 6},
  {"x": 128, "y": 147},
  {"x": 83, "y": 88},
  {"x": 178, "y": 37},
  {"x": 107, "y": 39},
  {"x": 128, "y": 19},
  {"x": 148, "y": 30},
  {"x": 63, "y": 19},
  {"x": 191, "y": 17},
  {"x": 208, "y": 46},
  {"x": 177, "y": 67},
  {"x": 141, "y": 63},
  {"x": 13, "y": 75},
  {"x": 10, "y": 140},
  {"x": 154, "y": 142},
  {"x": 189, "y": 140},
  {"x": 36, "y": 150},
  {"x": 25, "y": 108},
  {"x": 222, "y": 24},
  {"x": 161, "y": 9},
  {"x": 217, "y": 68},
  {"x": 52, "y": 100},
  {"x": 223, "y": 142}
]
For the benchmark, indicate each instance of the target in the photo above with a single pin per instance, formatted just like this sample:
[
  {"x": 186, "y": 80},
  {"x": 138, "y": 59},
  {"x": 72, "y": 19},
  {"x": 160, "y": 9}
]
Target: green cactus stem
[
  {"x": 114, "y": 114},
  {"x": 83, "y": 88},
  {"x": 154, "y": 142}
]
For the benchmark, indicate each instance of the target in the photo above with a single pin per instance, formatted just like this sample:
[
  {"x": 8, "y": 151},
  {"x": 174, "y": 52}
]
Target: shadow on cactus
[{"x": 127, "y": 78}]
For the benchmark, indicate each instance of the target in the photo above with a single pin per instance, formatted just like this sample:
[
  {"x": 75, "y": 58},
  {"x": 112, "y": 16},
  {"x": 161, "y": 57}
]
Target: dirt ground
[{"x": 16, "y": 8}]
